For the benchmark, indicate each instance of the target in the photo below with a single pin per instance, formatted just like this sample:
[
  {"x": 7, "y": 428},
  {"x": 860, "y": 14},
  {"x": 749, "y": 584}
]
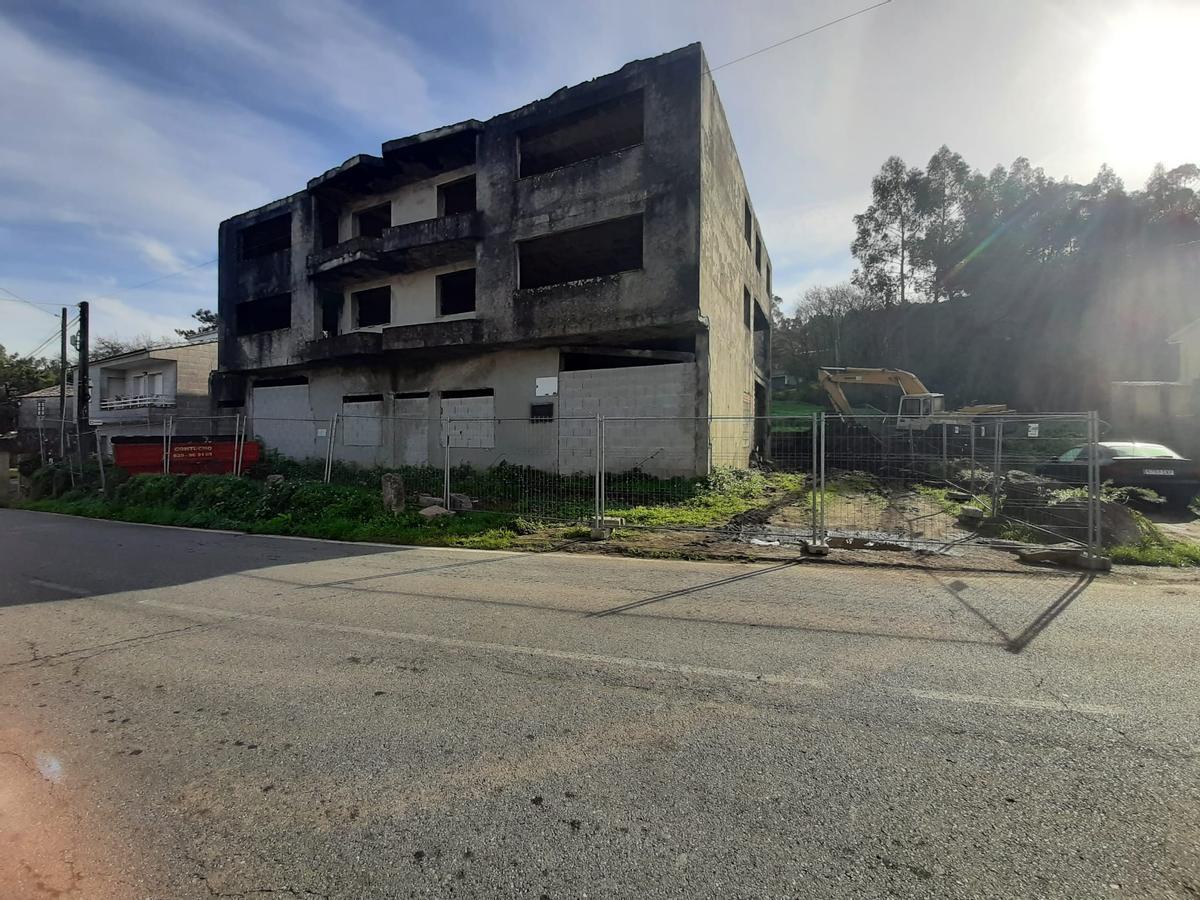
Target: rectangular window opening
[
  {"x": 747, "y": 310},
  {"x": 540, "y": 413},
  {"x": 372, "y": 222},
  {"x": 749, "y": 227},
  {"x": 769, "y": 294},
  {"x": 590, "y": 252},
  {"x": 758, "y": 251},
  {"x": 291, "y": 381},
  {"x": 362, "y": 398},
  {"x": 411, "y": 395},
  {"x": 469, "y": 392},
  {"x": 265, "y": 238},
  {"x": 456, "y": 292},
  {"x": 331, "y": 313},
  {"x": 456, "y": 197},
  {"x": 587, "y": 133},
  {"x": 327, "y": 224},
  {"x": 263, "y": 314},
  {"x": 372, "y": 307}
]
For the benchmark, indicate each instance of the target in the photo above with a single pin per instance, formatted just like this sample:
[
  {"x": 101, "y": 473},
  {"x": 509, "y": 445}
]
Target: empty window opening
[
  {"x": 264, "y": 314},
  {"x": 372, "y": 222},
  {"x": 749, "y": 222},
  {"x": 362, "y": 398},
  {"x": 747, "y": 312},
  {"x": 541, "y": 412},
  {"x": 331, "y": 314},
  {"x": 769, "y": 294},
  {"x": 761, "y": 322},
  {"x": 469, "y": 392},
  {"x": 290, "y": 381},
  {"x": 604, "y": 128},
  {"x": 581, "y": 362},
  {"x": 758, "y": 251},
  {"x": 372, "y": 307},
  {"x": 604, "y": 249},
  {"x": 327, "y": 224},
  {"x": 456, "y": 293},
  {"x": 265, "y": 238},
  {"x": 456, "y": 197},
  {"x": 411, "y": 395}
]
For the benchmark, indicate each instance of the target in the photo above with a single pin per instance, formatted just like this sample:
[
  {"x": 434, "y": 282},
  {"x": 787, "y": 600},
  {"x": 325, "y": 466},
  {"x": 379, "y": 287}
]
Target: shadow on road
[
  {"x": 1015, "y": 643},
  {"x": 720, "y": 582},
  {"x": 46, "y": 558}
]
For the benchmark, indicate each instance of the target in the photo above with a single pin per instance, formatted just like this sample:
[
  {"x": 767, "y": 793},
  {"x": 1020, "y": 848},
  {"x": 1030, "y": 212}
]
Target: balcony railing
[{"x": 141, "y": 401}]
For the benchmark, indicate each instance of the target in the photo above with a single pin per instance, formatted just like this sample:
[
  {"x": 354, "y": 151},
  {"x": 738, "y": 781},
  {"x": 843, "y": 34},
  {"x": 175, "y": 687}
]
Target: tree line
[{"x": 1012, "y": 285}]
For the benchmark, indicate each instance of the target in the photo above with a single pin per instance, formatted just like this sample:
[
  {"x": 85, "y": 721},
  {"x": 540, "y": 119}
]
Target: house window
[
  {"x": 372, "y": 222},
  {"x": 456, "y": 197},
  {"x": 540, "y": 413},
  {"x": 41, "y": 409},
  {"x": 265, "y": 238},
  {"x": 456, "y": 292},
  {"x": 590, "y": 252},
  {"x": 747, "y": 308},
  {"x": 758, "y": 251},
  {"x": 769, "y": 294},
  {"x": 263, "y": 314},
  {"x": 372, "y": 307},
  {"x": 749, "y": 227},
  {"x": 604, "y": 128}
]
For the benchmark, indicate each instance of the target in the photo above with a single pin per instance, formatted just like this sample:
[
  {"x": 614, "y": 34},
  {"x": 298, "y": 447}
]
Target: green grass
[
  {"x": 1155, "y": 548},
  {"x": 724, "y": 494}
]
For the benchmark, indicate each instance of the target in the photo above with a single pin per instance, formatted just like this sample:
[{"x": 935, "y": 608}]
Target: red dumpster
[{"x": 190, "y": 454}]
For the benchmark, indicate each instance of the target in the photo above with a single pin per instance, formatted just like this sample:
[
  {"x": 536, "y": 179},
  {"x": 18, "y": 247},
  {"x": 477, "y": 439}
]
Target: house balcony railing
[{"x": 141, "y": 401}]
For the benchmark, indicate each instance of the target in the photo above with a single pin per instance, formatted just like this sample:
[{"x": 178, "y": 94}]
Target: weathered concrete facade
[{"x": 598, "y": 230}]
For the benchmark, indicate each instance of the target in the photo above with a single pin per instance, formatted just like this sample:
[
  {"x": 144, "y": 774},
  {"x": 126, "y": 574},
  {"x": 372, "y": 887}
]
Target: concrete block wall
[{"x": 649, "y": 414}]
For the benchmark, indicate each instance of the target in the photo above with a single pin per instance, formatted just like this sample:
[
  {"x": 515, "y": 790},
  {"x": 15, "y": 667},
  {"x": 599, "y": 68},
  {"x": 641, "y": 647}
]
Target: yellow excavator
[{"x": 919, "y": 407}]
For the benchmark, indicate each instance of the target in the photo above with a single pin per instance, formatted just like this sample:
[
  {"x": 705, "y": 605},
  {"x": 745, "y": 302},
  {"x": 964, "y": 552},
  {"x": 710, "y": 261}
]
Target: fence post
[
  {"x": 596, "y": 477},
  {"x": 1094, "y": 536},
  {"x": 333, "y": 420},
  {"x": 971, "y": 426},
  {"x": 446, "y": 467},
  {"x": 997, "y": 458},
  {"x": 100, "y": 461},
  {"x": 603, "y": 476},
  {"x": 812, "y": 481},
  {"x": 945, "y": 456}
]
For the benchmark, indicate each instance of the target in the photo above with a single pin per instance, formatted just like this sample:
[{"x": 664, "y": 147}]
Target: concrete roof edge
[
  {"x": 358, "y": 160},
  {"x": 432, "y": 134}
]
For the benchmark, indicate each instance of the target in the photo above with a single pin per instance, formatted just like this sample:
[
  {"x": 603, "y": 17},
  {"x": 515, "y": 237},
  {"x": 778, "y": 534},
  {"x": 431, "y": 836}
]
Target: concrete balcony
[
  {"x": 401, "y": 248},
  {"x": 343, "y": 346}
]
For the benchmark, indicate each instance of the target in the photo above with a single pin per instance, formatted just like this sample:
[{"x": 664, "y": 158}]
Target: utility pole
[
  {"x": 62, "y": 391},
  {"x": 83, "y": 399}
]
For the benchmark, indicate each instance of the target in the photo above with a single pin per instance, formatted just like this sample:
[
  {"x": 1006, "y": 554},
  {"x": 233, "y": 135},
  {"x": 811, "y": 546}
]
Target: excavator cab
[{"x": 916, "y": 410}]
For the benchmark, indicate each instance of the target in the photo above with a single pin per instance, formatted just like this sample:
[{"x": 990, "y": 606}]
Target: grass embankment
[{"x": 354, "y": 510}]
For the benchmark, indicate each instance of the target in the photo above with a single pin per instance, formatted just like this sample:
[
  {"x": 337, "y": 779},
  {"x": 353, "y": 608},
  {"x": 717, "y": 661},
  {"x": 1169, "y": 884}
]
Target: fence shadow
[{"x": 1016, "y": 643}]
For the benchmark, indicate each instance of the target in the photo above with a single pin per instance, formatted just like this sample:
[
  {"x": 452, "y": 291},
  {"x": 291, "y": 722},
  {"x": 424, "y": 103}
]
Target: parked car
[{"x": 1131, "y": 464}]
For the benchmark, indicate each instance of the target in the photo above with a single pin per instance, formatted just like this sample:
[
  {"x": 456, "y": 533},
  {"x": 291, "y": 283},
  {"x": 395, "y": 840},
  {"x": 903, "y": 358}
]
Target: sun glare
[{"x": 1143, "y": 89}]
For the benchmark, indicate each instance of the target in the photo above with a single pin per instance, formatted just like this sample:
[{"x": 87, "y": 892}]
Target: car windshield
[{"x": 1143, "y": 451}]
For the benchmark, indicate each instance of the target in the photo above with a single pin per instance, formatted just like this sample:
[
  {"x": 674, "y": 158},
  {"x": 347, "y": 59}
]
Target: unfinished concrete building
[{"x": 595, "y": 252}]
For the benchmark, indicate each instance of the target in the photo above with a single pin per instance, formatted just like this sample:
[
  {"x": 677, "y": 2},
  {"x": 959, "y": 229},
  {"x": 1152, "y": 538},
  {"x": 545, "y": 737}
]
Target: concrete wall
[
  {"x": 727, "y": 269},
  {"x": 414, "y": 298},
  {"x": 410, "y": 203},
  {"x": 1189, "y": 355},
  {"x": 511, "y": 375},
  {"x": 662, "y": 445}
]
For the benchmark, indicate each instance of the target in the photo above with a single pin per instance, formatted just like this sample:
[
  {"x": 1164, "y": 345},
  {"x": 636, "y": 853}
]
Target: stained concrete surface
[{"x": 196, "y": 714}]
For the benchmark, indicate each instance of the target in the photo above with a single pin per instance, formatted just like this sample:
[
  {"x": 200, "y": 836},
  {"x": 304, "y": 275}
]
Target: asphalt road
[{"x": 196, "y": 714}]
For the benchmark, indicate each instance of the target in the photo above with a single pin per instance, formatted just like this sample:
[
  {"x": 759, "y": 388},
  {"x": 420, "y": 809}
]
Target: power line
[
  {"x": 796, "y": 37},
  {"x": 54, "y": 336},
  {"x": 207, "y": 262},
  {"x": 17, "y": 298}
]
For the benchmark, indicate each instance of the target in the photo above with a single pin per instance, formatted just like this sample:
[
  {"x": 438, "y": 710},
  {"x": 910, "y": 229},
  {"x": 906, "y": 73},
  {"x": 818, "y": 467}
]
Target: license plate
[{"x": 1158, "y": 471}]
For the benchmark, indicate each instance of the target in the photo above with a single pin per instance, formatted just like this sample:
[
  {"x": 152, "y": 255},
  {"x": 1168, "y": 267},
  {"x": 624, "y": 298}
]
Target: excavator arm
[{"x": 831, "y": 380}]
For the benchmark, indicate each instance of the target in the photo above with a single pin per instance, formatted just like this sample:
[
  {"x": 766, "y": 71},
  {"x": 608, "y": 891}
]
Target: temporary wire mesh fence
[{"x": 864, "y": 480}]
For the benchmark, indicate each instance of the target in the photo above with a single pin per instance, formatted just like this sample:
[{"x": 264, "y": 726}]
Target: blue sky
[{"x": 133, "y": 127}]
